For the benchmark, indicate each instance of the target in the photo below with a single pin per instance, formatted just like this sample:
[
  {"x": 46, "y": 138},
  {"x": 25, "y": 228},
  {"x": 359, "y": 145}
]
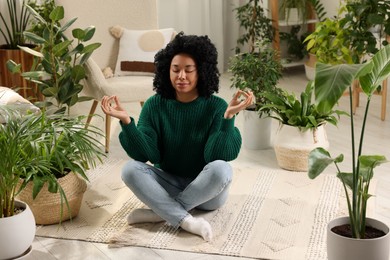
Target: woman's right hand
[{"x": 111, "y": 106}]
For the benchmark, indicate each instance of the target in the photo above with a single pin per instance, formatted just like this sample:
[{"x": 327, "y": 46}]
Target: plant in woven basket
[{"x": 41, "y": 148}]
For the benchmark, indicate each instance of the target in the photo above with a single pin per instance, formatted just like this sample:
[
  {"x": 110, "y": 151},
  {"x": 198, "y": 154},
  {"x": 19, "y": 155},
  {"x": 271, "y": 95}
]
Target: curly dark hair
[{"x": 202, "y": 50}]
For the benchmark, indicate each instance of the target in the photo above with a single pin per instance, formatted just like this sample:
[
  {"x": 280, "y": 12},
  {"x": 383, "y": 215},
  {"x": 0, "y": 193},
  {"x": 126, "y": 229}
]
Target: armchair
[{"x": 103, "y": 14}]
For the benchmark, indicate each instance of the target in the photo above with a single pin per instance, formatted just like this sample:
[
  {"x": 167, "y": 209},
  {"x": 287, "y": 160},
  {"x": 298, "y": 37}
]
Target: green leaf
[
  {"x": 61, "y": 48},
  {"x": 34, "y": 38},
  {"x": 31, "y": 51},
  {"x": 319, "y": 160},
  {"x": 380, "y": 71},
  {"x": 330, "y": 83},
  {"x": 347, "y": 178},
  {"x": 13, "y": 67},
  {"x": 78, "y": 34},
  {"x": 52, "y": 186},
  {"x": 78, "y": 73},
  {"x": 367, "y": 163},
  {"x": 67, "y": 25},
  {"x": 37, "y": 186},
  {"x": 89, "y": 32},
  {"x": 57, "y": 14},
  {"x": 91, "y": 47}
]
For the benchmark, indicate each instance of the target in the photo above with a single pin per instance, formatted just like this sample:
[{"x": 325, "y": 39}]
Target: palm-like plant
[
  {"x": 40, "y": 149},
  {"x": 331, "y": 81}
]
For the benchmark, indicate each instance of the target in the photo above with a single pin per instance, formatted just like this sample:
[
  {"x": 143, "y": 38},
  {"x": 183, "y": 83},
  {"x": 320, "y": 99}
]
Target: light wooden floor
[{"x": 377, "y": 141}]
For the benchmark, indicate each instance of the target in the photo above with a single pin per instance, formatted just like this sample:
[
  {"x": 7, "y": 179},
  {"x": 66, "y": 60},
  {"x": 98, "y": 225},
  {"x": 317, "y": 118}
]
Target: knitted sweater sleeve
[
  {"x": 224, "y": 142},
  {"x": 140, "y": 142}
]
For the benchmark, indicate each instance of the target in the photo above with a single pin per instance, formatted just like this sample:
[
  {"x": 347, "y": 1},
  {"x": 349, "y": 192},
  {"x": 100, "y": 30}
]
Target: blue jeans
[{"x": 170, "y": 196}]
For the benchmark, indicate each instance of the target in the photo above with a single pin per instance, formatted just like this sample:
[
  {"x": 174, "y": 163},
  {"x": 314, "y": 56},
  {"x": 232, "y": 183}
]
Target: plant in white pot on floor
[
  {"x": 355, "y": 243},
  {"x": 258, "y": 69},
  {"x": 20, "y": 156},
  {"x": 301, "y": 128}
]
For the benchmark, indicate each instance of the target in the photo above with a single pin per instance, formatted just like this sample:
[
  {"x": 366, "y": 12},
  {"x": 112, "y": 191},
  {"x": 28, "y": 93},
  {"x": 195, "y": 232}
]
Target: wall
[
  {"x": 214, "y": 18},
  {"x": 205, "y": 17}
]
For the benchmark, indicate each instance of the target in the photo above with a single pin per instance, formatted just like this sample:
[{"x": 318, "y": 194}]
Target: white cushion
[{"x": 137, "y": 49}]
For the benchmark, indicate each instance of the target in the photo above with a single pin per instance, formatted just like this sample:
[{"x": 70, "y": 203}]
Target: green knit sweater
[{"x": 181, "y": 138}]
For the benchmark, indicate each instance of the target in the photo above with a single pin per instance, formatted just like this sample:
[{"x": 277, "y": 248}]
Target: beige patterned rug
[{"x": 271, "y": 213}]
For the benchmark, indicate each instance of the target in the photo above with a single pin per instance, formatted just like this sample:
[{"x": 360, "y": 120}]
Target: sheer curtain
[{"x": 214, "y": 18}]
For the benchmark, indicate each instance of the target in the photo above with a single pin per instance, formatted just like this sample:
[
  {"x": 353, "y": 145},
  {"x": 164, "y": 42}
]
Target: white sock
[
  {"x": 143, "y": 215},
  {"x": 198, "y": 226}
]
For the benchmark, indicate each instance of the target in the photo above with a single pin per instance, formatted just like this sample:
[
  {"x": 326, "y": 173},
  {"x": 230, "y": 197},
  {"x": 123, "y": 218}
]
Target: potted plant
[
  {"x": 369, "y": 24},
  {"x": 259, "y": 72},
  {"x": 63, "y": 149},
  {"x": 331, "y": 82},
  {"x": 328, "y": 43},
  {"x": 295, "y": 11},
  {"x": 301, "y": 128},
  {"x": 60, "y": 71},
  {"x": 257, "y": 26},
  {"x": 257, "y": 69},
  {"x": 14, "y": 20},
  {"x": 296, "y": 49},
  {"x": 19, "y": 152}
]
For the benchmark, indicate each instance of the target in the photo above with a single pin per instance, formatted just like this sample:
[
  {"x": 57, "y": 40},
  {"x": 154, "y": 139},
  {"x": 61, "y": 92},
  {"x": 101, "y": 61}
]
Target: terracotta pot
[
  {"x": 17, "y": 233},
  {"x": 46, "y": 207},
  {"x": 26, "y": 88},
  {"x": 292, "y": 146},
  {"x": 344, "y": 248}
]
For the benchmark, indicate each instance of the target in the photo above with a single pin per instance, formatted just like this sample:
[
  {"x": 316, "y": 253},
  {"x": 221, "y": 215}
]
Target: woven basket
[
  {"x": 292, "y": 146},
  {"x": 46, "y": 207}
]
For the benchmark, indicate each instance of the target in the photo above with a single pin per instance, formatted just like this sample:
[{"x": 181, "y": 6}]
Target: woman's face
[{"x": 184, "y": 77}]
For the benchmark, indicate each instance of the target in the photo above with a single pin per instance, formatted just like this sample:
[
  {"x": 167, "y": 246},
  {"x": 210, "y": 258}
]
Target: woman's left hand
[{"x": 238, "y": 104}]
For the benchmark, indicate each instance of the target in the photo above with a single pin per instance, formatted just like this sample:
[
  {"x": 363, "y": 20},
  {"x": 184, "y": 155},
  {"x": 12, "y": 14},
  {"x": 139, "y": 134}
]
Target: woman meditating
[{"x": 183, "y": 139}]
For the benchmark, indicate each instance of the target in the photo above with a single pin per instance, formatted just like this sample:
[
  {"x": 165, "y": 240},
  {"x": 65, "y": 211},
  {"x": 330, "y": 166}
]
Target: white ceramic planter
[
  {"x": 292, "y": 16},
  {"x": 343, "y": 248},
  {"x": 292, "y": 146},
  {"x": 17, "y": 233},
  {"x": 257, "y": 131},
  {"x": 310, "y": 72}
]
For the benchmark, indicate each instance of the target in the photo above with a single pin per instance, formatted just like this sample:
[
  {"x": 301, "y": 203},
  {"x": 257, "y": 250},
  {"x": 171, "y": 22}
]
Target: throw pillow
[{"x": 137, "y": 49}]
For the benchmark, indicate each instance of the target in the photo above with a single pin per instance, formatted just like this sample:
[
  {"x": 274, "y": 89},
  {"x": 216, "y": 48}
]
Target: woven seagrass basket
[{"x": 46, "y": 207}]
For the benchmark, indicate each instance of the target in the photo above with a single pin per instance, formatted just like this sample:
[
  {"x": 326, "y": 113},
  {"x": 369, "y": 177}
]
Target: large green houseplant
[
  {"x": 258, "y": 71},
  {"x": 369, "y": 23},
  {"x": 253, "y": 19},
  {"x": 331, "y": 82},
  {"x": 59, "y": 69},
  {"x": 330, "y": 42},
  {"x": 42, "y": 148}
]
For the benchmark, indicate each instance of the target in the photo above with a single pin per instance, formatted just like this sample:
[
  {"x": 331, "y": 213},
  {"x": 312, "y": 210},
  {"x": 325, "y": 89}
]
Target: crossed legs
[{"x": 170, "y": 197}]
